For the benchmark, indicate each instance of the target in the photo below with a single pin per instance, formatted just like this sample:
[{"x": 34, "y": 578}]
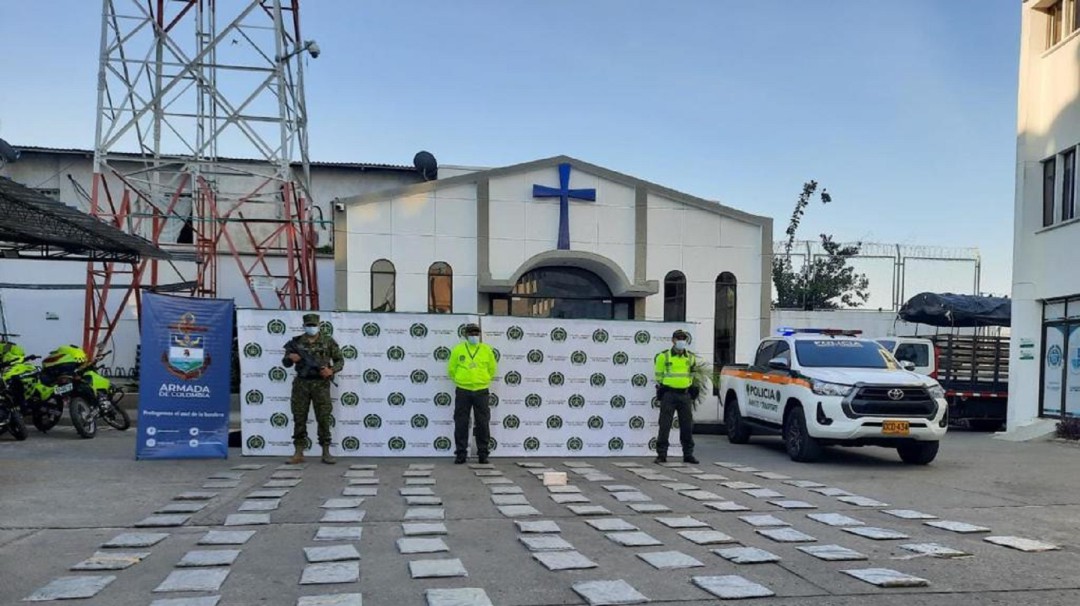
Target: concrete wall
[{"x": 1043, "y": 257}]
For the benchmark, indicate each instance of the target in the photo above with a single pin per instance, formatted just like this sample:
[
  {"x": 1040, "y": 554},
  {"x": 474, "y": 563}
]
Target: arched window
[
  {"x": 675, "y": 297},
  {"x": 724, "y": 320},
  {"x": 562, "y": 292},
  {"x": 440, "y": 288},
  {"x": 383, "y": 283}
]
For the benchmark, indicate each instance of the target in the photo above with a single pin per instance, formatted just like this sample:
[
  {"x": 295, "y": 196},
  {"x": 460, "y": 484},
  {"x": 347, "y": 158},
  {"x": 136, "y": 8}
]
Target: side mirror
[
  {"x": 779, "y": 364},
  {"x": 907, "y": 365}
]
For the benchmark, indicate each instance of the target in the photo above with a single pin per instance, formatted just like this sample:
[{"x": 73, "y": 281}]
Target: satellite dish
[{"x": 426, "y": 165}]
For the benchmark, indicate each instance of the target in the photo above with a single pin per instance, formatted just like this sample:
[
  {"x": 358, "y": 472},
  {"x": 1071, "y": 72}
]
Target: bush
[{"x": 1069, "y": 428}]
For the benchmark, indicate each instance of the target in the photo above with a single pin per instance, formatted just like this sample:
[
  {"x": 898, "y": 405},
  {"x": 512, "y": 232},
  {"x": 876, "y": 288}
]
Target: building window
[
  {"x": 562, "y": 292},
  {"x": 724, "y": 320},
  {"x": 383, "y": 282},
  {"x": 1049, "y": 181},
  {"x": 1068, "y": 184},
  {"x": 1062, "y": 19},
  {"x": 675, "y": 297},
  {"x": 1060, "y": 393},
  {"x": 440, "y": 298}
]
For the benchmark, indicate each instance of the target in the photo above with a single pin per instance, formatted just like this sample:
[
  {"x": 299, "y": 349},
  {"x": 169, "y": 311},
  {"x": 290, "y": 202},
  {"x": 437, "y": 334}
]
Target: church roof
[{"x": 606, "y": 173}]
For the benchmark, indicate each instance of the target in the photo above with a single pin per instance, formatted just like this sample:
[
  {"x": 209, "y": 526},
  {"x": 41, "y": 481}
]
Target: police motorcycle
[
  {"x": 11, "y": 419},
  {"x": 87, "y": 394},
  {"x": 22, "y": 384}
]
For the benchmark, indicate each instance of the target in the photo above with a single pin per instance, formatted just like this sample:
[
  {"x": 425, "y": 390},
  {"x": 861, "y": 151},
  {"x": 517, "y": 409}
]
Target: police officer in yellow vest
[
  {"x": 674, "y": 377},
  {"x": 471, "y": 367}
]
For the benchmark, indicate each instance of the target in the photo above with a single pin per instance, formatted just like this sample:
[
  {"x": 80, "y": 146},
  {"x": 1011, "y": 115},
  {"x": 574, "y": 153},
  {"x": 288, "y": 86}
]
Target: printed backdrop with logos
[{"x": 564, "y": 387}]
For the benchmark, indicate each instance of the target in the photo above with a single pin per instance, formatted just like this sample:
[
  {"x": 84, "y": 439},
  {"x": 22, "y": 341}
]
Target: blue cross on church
[{"x": 564, "y": 193}]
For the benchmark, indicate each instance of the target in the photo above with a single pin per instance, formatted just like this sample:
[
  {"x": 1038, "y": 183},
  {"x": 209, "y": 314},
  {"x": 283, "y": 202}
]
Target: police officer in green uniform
[
  {"x": 471, "y": 367},
  {"x": 317, "y": 358},
  {"x": 674, "y": 377}
]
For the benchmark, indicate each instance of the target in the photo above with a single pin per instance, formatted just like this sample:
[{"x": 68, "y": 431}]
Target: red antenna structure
[{"x": 201, "y": 147}]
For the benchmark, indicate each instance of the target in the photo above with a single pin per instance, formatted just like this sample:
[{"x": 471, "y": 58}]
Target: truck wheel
[
  {"x": 984, "y": 424},
  {"x": 918, "y": 453},
  {"x": 738, "y": 432},
  {"x": 801, "y": 447}
]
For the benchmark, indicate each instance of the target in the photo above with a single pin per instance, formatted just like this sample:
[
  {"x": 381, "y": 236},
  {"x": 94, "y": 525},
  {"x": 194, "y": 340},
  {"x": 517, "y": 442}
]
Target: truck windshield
[{"x": 841, "y": 353}]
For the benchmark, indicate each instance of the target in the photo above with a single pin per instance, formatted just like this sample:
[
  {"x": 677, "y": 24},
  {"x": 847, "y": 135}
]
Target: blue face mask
[
  {"x": 473, "y": 339},
  {"x": 311, "y": 331},
  {"x": 680, "y": 345}
]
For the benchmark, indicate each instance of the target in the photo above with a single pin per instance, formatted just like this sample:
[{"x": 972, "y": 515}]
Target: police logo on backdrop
[
  {"x": 554, "y": 422},
  {"x": 396, "y": 399},
  {"x": 492, "y": 445},
  {"x": 331, "y": 420},
  {"x": 350, "y": 444},
  {"x": 600, "y": 336},
  {"x": 1054, "y": 356},
  {"x": 533, "y": 400},
  {"x": 418, "y": 330},
  {"x": 373, "y": 421},
  {"x": 350, "y": 399},
  {"x": 655, "y": 402},
  {"x": 618, "y": 402},
  {"x": 596, "y": 422},
  {"x": 512, "y": 378},
  {"x": 418, "y": 422},
  {"x": 326, "y": 328},
  {"x": 441, "y": 353},
  {"x": 461, "y": 330},
  {"x": 535, "y": 356},
  {"x": 637, "y": 423},
  {"x": 277, "y": 374},
  {"x": 576, "y": 401},
  {"x": 187, "y": 357},
  {"x": 515, "y": 333},
  {"x": 279, "y": 420},
  {"x": 675, "y": 423},
  {"x": 372, "y": 376},
  {"x": 256, "y": 442},
  {"x": 615, "y": 444},
  {"x": 396, "y": 443},
  {"x": 652, "y": 444},
  {"x": 575, "y": 444},
  {"x": 558, "y": 334},
  {"x": 370, "y": 330},
  {"x": 253, "y": 350},
  {"x": 396, "y": 353},
  {"x": 597, "y": 379},
  {"x": 308, "y": 444},
  {"x": 442, "y": 444},
  {"x": 254, "y": 397},
  {"x": 493, "y": 400},
  {"x": 642, "y": 337},
  {"x": 556, "y": 379},
  {"x": 443, "y": 399},
  {"x": 511, "y": 422},
  {"x": 531, "y": 444},
  {"x": 579, "y": 358},
  {"x": 276, "y": 327},
  {"x": 349, "y": 352},
  {"x": 639, "y": 380},
  {"x": 497, "y": 354},
  {"x": 621, "y": 358}
]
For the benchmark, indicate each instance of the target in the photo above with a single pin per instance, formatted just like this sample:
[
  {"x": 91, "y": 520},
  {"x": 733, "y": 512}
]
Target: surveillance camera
[
  {"x": 314, "y": 49},
  {"x": 339, "y": 206}
]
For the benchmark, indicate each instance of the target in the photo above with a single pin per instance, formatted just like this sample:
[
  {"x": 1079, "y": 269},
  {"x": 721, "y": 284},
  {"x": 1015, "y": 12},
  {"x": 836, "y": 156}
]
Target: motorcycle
[
  {"x": 22, "y": 380},
  {"x": 10, "y": 416},
  {"x": 87, "y": 394}
]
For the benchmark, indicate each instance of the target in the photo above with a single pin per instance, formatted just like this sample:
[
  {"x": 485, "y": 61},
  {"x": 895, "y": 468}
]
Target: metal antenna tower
[{"x": 181, "y": 85}]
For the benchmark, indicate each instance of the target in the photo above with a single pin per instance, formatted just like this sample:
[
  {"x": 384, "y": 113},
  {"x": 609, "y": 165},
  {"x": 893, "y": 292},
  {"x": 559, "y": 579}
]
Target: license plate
[
  {"x": 63, "y": 389},
  {"x": 900, "y": 428}
]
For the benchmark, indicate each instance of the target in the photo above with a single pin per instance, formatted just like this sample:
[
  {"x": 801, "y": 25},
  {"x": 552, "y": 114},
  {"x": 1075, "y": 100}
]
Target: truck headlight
[
  {"x": 937, "y": 391},
  {"x": 824, "y": 388}
]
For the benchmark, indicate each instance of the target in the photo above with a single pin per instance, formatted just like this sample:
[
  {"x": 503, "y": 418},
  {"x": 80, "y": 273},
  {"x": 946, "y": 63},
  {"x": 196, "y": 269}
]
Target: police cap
[
  {"x": 472, "y": 329},
  {"x": 680, "y": 334}
]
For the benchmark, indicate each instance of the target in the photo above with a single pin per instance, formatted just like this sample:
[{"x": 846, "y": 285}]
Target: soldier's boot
[
  {"x": 298, "y": 456},
  {"x": 326, "y": 458}
]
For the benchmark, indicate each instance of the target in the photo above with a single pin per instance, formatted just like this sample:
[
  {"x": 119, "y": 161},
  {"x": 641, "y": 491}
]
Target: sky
[{"x": 904, "y": 111}]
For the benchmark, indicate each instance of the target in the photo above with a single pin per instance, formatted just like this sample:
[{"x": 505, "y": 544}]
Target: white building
[
  {"x": 489, "y": 242},
  {"x": 1045, "y": 369}
]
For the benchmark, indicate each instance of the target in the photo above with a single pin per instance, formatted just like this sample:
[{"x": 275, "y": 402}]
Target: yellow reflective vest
[
  {"x": 471, "y": 367},
  {"x": 674, "y": 369}
]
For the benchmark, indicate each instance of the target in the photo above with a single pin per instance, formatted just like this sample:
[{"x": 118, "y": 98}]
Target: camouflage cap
[{"x": 311, "y": 319}]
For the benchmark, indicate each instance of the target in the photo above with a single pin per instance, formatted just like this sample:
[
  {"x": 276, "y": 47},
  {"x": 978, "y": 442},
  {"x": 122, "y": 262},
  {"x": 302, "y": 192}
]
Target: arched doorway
[{"x": 562, "y": 292}]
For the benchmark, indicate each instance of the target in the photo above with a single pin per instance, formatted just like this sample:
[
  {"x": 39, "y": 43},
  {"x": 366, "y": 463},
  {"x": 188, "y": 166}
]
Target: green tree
[{"x": 826, "y": 281}]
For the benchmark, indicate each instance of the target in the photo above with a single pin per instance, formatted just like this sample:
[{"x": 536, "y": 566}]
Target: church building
[{"x": 560, "y": 238}]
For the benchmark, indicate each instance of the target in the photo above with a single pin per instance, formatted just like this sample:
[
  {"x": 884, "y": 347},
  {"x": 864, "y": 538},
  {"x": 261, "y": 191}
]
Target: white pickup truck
[{"x": 821, "y": 387}]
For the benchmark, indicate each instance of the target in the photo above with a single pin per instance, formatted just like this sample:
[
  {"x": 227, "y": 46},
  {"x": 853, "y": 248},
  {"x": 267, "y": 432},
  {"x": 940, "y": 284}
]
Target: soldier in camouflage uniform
[{"x": 317, "y": 358}]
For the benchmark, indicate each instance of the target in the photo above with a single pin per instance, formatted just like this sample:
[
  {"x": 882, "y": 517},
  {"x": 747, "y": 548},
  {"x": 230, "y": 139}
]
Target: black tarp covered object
[{"x": 947, "y": 309}]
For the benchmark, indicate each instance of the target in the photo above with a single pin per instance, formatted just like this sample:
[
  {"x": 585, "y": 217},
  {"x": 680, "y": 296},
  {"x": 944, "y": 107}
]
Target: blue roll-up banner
[{"x": 185, "y": 368}]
